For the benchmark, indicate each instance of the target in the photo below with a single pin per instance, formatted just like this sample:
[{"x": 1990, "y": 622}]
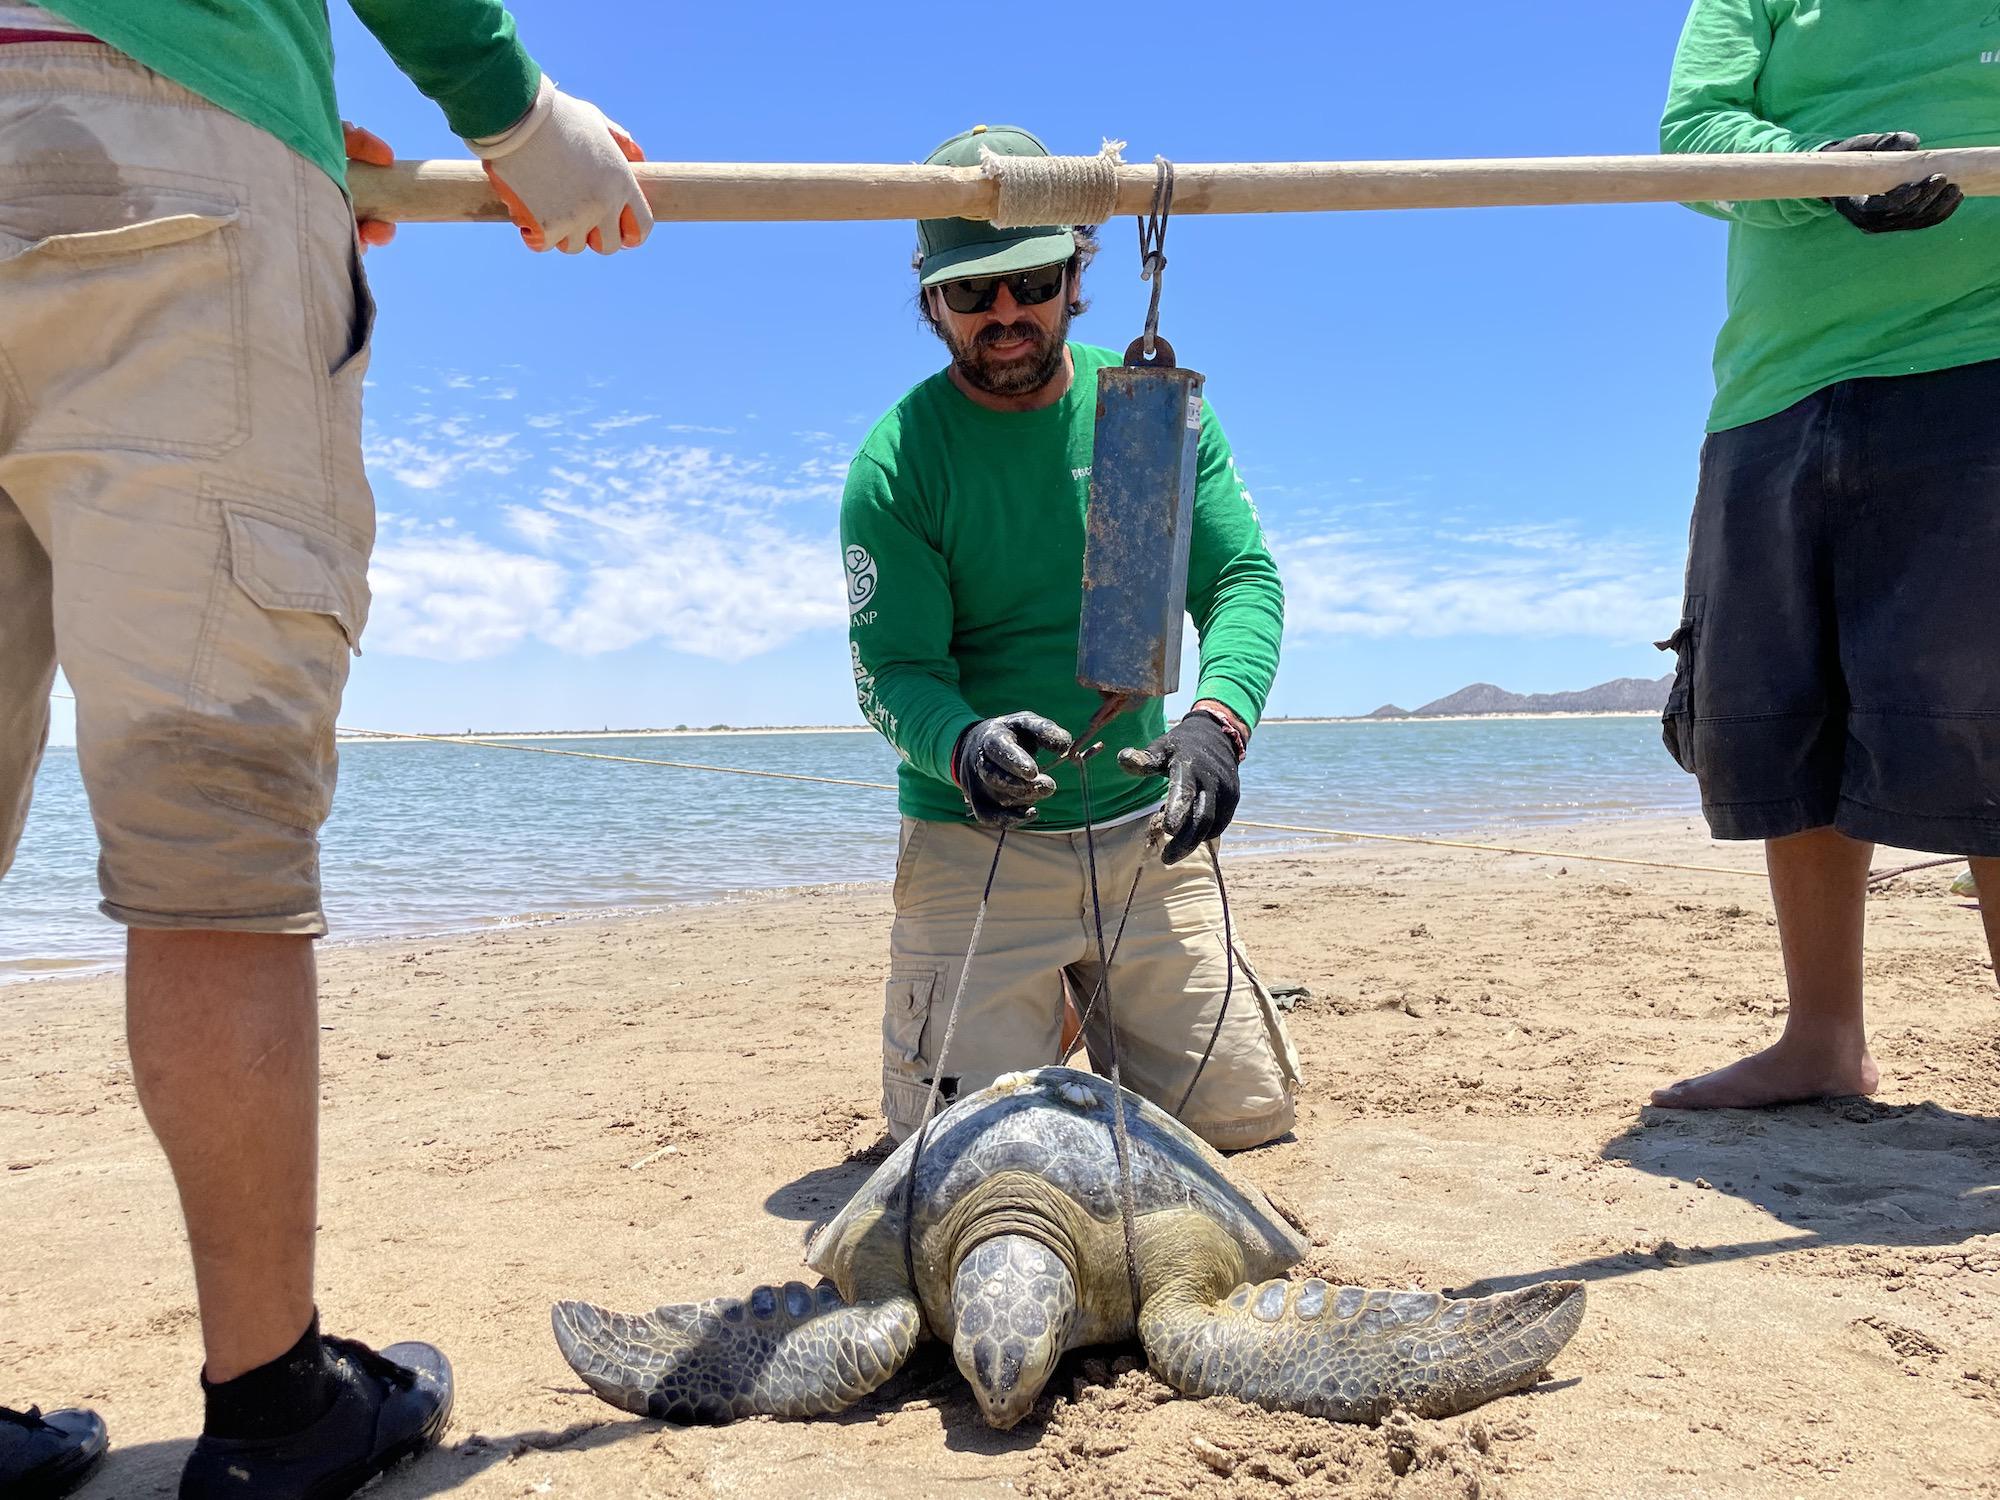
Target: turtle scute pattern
[
  {"x": 1007, "y": 1293},
  {"x": 1352, "y": 1354},
  {"x": 793, "y": 1351}
]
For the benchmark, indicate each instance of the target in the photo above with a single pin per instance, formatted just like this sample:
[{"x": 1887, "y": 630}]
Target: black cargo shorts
[{"x": 1838, "y": 656}]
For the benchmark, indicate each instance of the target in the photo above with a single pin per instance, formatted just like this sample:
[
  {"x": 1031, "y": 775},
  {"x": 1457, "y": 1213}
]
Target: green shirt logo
[{"x": 860, "y": 579}]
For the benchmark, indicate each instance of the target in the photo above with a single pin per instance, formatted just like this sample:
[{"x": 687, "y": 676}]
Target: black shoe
[
  {"x": 43, "y": 1457},
  {"x": 389, "y": 1405}
]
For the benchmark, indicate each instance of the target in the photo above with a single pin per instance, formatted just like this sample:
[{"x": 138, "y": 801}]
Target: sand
[{"x": 1798, "y": 1302}]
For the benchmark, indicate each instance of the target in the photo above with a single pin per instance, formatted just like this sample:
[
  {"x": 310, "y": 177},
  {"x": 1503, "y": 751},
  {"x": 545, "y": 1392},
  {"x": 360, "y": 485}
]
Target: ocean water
[{"x": 434, "y": 837}]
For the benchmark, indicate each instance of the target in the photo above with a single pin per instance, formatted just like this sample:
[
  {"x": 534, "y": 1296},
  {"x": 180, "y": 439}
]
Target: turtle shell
[{"x": 1055, "y": 1123}]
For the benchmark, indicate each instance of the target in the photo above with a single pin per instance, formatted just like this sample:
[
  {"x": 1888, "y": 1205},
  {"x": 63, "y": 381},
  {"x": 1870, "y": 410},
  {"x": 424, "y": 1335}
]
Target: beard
[{"x": 1021, "y": 375}]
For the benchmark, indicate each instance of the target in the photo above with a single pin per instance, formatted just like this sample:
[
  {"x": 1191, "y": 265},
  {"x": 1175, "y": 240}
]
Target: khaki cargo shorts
[
  {"x": 1039, "y": 942},
  {"x": 184, "y": 519}
]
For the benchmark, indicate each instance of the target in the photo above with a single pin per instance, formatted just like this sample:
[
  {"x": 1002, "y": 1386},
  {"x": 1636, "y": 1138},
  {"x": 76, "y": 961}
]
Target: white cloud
[
  {"x": 445, "y": 450},
  {"x": 454, "y": 598},
  {"x": 647, "y": 477},
  {"x": 1532, "y": 580},
  {"x": 629, "y": 542},
  {"x": 594, "y": 533},
  {"x": 624, "y": 419},
  {"x": 729, "y": 596},
  {"x": 536, "y": 527},
  {"x": 409, "y": 462}
]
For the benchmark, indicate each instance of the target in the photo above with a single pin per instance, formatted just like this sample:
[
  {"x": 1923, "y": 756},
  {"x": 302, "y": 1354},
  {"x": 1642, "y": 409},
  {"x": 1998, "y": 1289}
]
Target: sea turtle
[{"x": 1019, "y": 1255}]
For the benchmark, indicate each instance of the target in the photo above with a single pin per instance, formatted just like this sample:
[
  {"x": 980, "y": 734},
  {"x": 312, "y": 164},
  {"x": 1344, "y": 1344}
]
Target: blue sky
[{"x": 609, "y": 489}]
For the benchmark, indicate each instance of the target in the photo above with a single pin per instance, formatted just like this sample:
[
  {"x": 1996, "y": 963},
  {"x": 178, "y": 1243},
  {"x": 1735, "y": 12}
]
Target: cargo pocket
[
  {"x": 1677, "y": 718},
  {"x": 130, "y": 335},
  {"x": 907, "y": 1001},
  {"x": 283, "y": 566},
  {"x": 271, "y": 665}
]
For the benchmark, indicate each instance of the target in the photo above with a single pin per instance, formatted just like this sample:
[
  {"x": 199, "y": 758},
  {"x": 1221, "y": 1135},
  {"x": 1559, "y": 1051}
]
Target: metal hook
[{"x": 1153, "y": 248}]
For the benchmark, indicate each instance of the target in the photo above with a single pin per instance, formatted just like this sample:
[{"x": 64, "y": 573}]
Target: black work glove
[
  {"x": 1198, "y": 758},
  {"x": 1922, "y": 204},
  {"x": 994, "y": 765}
]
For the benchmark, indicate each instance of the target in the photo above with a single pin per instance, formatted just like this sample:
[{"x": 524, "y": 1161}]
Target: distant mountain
[{"x": 1621, "y": 695}]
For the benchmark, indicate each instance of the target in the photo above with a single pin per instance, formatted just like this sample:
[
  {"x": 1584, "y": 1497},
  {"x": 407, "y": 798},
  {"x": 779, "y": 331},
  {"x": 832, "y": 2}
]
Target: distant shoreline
[
  {"x": 671, "y": 734},
  {"x": 1555, "y": 713}
]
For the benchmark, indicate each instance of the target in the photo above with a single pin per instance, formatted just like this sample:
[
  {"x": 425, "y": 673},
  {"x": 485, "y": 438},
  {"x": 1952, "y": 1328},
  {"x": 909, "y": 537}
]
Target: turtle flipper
[
  {"x": 1351, "y": 1354},
  {"x": 789, "y": 1351}
]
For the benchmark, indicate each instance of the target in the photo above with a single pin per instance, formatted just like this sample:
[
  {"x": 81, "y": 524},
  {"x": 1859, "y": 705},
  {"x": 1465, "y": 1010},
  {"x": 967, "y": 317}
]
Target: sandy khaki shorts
[
  {"x": 184, "y": 519},
  {"x": 1167, "y": 977}
]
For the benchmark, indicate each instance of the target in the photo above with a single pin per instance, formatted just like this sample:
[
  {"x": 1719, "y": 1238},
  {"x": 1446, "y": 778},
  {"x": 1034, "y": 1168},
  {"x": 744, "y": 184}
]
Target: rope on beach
[
  {"x": 1885, "y": 876},
  {"x": 884, "y": 786}
]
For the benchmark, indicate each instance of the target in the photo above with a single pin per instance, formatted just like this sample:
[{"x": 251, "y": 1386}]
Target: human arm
[
  {"x": 1238, "y": 605},
  {"x": 900, "y": 620},
  {"x": 1712, "y": 105},
  {"x": 463, "y": 55},
  {"x": 367, "y": 146},
  {"x": 563, "y": 169},
  {"x": 1235, "y": 597}
]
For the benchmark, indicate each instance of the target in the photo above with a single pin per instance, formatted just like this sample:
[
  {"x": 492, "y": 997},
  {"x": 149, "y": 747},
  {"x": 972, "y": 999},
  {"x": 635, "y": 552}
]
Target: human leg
[
  {"x": 223, "y": 1029},
  {"x": 1757, "y": 714},
  {"x": 1169, "y": 981},
  {"x": 187, "y": 456},
  {"x": 1986, "y": 876},
  {"x": 1819, "y": 884},
  {"x": 1010, "y": 1016},
  {"x": 27, "y": 669}
]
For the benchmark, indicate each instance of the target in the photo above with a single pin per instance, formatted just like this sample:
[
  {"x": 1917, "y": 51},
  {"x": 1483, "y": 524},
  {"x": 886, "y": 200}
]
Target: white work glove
[{"x": 564, "y": 171}]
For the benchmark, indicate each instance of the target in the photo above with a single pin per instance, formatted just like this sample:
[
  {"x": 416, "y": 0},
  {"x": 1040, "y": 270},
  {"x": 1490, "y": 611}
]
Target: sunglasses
[{"x": 1030, "y": 288}]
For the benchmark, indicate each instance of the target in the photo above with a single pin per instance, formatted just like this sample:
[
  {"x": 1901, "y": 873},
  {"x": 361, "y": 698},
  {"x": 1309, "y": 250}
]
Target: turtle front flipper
[
  {"x": 1351, "y": 1354},
  {"x": 790, "y": 1351}
]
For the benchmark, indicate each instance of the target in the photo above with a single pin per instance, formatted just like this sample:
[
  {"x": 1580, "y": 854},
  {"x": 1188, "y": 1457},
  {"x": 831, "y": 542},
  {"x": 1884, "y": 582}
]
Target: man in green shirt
[
  {"x": 1836, "y": 681},
  {"x": 962, "y": 528},
  {"x": 185, "y": 525}
]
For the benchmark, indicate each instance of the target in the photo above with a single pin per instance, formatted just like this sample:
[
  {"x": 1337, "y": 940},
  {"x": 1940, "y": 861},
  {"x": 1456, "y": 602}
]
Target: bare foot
[{"x": 1783, "y": 1073}]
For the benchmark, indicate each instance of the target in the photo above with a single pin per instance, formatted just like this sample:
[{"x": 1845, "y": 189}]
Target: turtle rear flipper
[
  {"x": 790, "y": 1351},
  {"x": 1353, "y": 1355}
]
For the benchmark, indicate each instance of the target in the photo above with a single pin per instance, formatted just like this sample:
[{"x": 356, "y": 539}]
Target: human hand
[
  {"x": 994, "y": 765},
  {"x": 1922, "y": 204},
  {"x": 1199, "y": 758},
  {"x": 366, "y": 146},
  {"x": 565, "y": 173}
]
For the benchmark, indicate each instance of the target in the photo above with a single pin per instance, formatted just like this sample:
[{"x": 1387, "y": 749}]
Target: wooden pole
[{"x": 691, "y": 192}]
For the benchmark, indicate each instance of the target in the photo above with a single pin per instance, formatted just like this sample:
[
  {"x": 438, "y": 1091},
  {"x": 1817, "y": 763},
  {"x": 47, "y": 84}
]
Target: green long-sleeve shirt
[
  {"x": 271, "y": 61},
  {"x": 1813, "y": 300},
  {"x": 963, "y": 534}
]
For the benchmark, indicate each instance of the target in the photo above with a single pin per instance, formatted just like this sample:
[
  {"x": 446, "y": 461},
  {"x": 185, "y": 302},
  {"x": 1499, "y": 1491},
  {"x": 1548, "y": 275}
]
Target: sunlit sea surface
[{"x": 435, "y": 837}]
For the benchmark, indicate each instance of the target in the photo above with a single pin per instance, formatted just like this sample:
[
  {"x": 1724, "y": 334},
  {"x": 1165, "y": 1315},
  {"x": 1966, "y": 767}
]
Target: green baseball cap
[{"x": 953, "y": 249}]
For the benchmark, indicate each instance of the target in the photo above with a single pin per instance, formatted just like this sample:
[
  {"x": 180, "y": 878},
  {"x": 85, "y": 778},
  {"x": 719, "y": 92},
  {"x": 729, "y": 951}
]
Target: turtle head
[{"x": 1014, "y": 1302}]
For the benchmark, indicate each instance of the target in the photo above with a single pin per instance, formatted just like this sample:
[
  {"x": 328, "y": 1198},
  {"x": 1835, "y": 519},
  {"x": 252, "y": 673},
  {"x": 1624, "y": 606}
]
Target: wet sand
[{"x": 1798, "y": 1302}]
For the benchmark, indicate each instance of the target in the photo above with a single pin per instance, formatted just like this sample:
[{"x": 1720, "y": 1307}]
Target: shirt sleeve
[
  {"x": 899, "y": 625},
  {"x": 1234, "y": 594},
  {"x": 1712, "y": 105},
  {"x": 461, "y": 54}
]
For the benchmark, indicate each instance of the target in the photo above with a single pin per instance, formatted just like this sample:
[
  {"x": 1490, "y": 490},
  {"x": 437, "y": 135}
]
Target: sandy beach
[{"x": 1798, "y": 1302}]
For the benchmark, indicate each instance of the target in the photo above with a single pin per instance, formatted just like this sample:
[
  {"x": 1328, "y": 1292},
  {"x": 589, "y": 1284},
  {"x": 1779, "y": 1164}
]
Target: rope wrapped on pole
[
  {"x": 771, "y": 192},
  {"x": 1053, "y": 189}
]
